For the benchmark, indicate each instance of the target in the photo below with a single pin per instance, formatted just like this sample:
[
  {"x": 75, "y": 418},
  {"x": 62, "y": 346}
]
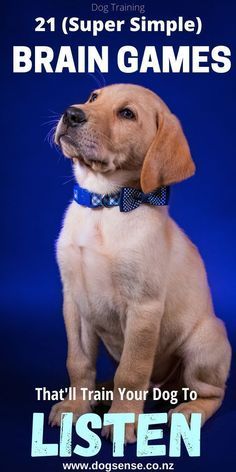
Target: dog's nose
[{"x": 74, "y": 116}]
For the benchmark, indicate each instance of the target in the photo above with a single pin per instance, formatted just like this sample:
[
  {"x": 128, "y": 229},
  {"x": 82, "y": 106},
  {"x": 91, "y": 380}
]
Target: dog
[{"x": 132, "y": 278}]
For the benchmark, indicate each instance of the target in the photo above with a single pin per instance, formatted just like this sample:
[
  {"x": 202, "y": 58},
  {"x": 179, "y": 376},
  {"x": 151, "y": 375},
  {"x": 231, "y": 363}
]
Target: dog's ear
[{"x": 168, "y": 158}]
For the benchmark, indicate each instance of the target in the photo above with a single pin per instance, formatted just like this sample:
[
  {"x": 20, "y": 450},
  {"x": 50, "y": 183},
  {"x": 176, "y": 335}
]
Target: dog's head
[{"x": 128, "y": 135}]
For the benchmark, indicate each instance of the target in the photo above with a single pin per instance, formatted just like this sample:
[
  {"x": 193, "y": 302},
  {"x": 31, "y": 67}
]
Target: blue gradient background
[{"x": 34, "y": 195}]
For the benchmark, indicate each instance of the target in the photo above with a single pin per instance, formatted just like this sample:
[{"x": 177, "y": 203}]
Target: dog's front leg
[
  {"x": 136, "y": 364},
  {"x": 81, "y": 361}
]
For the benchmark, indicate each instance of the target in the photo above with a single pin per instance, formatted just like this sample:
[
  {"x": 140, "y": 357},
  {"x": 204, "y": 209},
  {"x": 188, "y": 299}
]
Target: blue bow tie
[{"x": 127, "y": 199}]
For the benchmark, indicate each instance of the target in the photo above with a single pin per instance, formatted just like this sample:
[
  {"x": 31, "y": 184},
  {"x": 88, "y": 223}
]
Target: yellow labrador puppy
[{"x": 130, "y": 276}]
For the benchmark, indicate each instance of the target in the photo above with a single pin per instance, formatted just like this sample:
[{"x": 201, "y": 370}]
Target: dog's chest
[{"x": 101, "y": 263}]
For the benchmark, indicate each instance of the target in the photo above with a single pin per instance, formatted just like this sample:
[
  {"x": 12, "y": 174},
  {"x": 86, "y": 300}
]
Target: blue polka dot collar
[{"x": 127, "y": 198}]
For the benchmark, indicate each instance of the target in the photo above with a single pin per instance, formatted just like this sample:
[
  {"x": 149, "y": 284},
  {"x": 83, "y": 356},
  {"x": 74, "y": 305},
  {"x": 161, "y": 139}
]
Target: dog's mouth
[{"x": 84, "y": 157}]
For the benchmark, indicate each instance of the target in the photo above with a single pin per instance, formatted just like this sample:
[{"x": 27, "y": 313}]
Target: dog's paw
[
  {"x": 130, "y": 436},
  {"x": 186, "y": 409},
  {"x": 66, "y": 406},
  {"x": 130, "y": 428}
]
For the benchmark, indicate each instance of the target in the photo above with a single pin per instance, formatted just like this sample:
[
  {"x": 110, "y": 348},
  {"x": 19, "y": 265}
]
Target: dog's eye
[
  {"x": 93, "y": 97},
  {"x": 127, "y": 114}
]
